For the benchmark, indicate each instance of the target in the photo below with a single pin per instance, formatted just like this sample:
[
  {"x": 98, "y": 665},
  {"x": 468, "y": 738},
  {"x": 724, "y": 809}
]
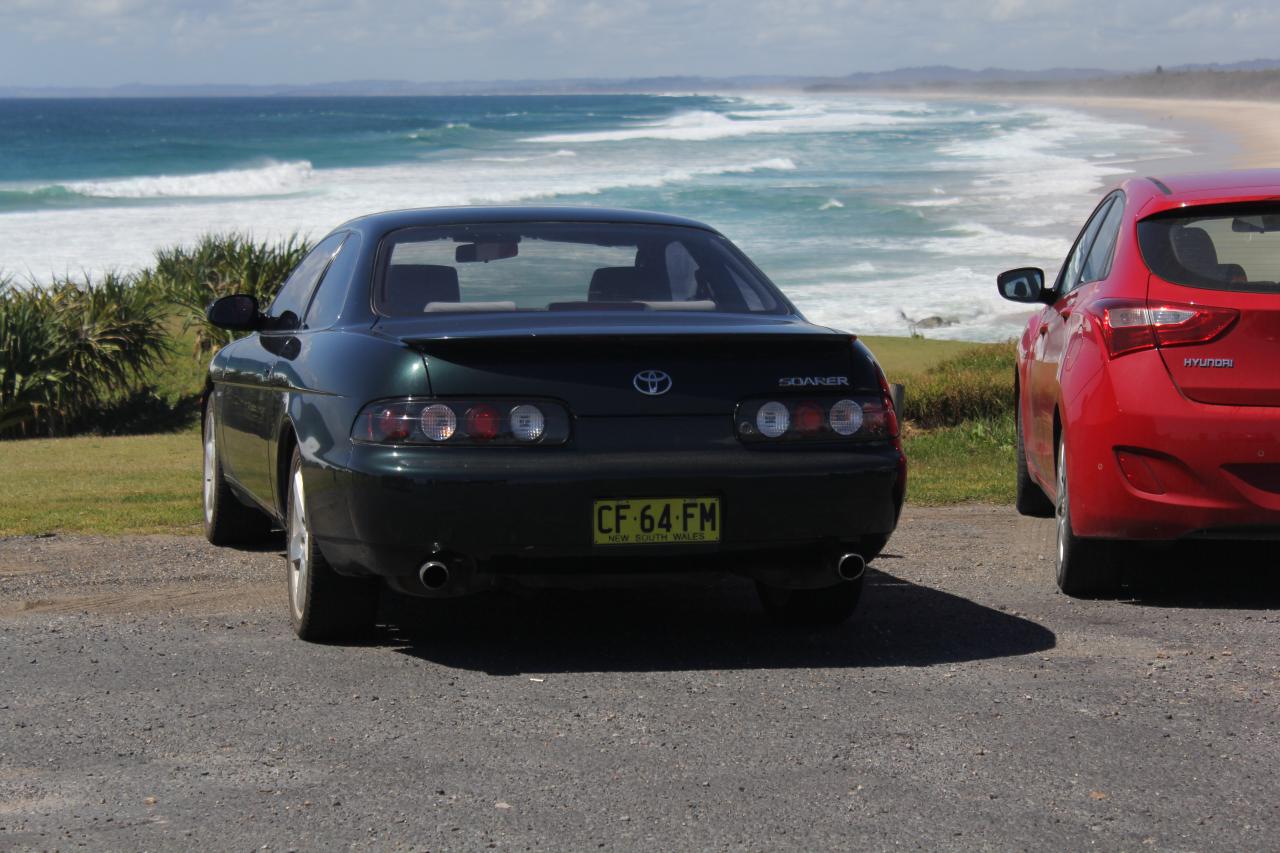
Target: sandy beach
[
  {"x": 1252, "y": 126},
  {"x": 1223, "y": 133}
]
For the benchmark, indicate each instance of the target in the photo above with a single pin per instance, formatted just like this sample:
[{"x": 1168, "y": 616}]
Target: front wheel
[
  {"x": 323, "y": 605},
  {"x": 829, "y": 605},
  {"x": 1087, "y": 568}
]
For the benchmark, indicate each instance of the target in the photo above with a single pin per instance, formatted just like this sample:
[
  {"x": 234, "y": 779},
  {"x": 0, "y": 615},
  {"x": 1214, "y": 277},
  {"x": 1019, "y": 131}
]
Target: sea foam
[{"x": 268, "y": 179}]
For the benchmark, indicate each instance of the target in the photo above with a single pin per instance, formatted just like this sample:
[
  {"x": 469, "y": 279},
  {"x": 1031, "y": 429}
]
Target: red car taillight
[
  {"x": 1130, "y": 326},
  {"x": 857, "y": 416},
  {"x": 463, "y": 422}
]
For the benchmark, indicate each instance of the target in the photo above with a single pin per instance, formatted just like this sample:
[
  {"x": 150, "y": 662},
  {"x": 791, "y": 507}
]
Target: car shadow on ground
[
  {"x": 897, "y": 624},
  {"x": 1211, "y": 575}
]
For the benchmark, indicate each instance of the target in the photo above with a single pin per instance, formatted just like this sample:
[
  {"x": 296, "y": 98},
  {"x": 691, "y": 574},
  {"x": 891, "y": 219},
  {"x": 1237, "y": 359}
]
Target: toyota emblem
[{"x": 652, "y": 382}]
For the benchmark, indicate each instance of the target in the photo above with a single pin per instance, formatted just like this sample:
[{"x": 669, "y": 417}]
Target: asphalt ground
[{"x": 152, "y": 697}]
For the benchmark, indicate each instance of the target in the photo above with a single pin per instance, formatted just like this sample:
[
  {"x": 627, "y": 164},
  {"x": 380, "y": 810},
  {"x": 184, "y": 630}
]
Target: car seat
[
  {"x": 1194, "y": 250},
  {"x": 627, "y": 284},
  {"x": 410, "y": 287}
]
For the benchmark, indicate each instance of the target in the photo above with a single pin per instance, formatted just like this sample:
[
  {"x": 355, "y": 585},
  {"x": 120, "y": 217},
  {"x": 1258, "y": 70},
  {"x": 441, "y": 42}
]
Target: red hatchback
[{"x": 1149, "y": 385}]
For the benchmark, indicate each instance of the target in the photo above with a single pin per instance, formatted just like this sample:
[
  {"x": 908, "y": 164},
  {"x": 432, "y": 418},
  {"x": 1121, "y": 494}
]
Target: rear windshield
[
  {"x": 565, "y": 266},
  {"x": 1221, "y": 248}
]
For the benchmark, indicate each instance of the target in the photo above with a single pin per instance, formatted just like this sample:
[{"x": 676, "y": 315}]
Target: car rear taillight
[
  {"x": 527, "y": 423},
  {"x": 835, "y": 419},
  {"x": 393, "y": 421},
  {"x": 1129, "y": 326},
  {"x": 439, "y": 423},
  {"x": 462, "y": 422},
  {"x": 846, "y": 417},
  {"x": 810, "y": 418},
  {"x": 772, "y": 420},
  {"x": 482, "y": 422}
]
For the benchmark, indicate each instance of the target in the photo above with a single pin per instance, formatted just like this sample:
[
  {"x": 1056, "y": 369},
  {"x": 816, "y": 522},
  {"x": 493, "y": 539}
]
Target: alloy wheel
[
  {"x": 210, "y": 468},
  {"x": 299, "y": 546}
]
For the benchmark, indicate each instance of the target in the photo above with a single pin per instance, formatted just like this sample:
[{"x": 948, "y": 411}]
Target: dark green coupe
[{"x": 446, "y": 401}]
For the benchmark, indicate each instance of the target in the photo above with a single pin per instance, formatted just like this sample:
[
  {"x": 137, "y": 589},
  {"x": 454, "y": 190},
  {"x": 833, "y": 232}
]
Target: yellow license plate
[{"x": 655, "y": 521}]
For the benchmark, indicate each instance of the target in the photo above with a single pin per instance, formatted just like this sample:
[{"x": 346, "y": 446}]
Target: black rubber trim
[{"x": 1160, "y": 185}]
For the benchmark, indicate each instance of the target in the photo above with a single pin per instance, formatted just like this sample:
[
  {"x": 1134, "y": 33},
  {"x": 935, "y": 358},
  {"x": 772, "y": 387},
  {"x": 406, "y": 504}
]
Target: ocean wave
[
  {"x": 272, "y": 179},
  {"x": 960, "y": 294},
  {"x": 544, "y": 181},
  {"x": 1053, "y": 155},
  {"x": 705, "y": 126},
  {"x": 428, "y": 134},
  {"x": 266, "y": 180},
  {"x": 946, "y": 201},
  {"x": 979, "y": 240},
  {"x": 563, "y": 152},
  {"x": 38, "y": 197}
]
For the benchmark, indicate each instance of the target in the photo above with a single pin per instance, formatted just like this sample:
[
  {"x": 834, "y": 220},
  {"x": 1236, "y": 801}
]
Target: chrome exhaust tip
[
  {"x": 433, "y": 575},
  {"x": 849, "y": 567}
]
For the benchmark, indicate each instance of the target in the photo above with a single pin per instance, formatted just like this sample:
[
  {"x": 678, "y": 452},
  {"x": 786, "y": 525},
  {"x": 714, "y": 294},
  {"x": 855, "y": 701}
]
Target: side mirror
[
  {"x": 1025, "y": 284},
  {"x": 237, "y": 313}
]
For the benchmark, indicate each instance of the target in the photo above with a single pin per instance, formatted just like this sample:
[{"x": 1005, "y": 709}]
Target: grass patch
[
  {"x": 973, "y": 462},
  {"x": 959, "y": 409},
  {"x": 113, "y": 485},
  {"x": 973, "y": 385},
  {"x": 907, "y": 356}
]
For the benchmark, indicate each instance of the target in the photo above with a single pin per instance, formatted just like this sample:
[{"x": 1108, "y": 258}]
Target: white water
[{"x": 864, "y": 210}]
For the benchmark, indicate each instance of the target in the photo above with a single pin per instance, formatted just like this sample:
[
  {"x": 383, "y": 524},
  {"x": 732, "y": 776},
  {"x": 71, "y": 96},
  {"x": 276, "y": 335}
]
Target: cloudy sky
[{"x": 106, "y": 42}]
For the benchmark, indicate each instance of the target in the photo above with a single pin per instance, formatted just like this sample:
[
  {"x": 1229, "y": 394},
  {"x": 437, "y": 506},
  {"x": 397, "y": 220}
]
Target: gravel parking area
[{"x": 153, "y": 698}]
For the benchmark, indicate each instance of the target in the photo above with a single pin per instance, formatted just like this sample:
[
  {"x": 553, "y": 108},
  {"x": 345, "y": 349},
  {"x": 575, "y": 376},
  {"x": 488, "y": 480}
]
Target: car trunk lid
[{"x": 612, "y": 366}]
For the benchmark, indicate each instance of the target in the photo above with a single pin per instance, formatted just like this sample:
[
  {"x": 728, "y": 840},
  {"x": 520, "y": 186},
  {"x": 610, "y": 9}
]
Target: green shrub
[
  {"x": 190, "y": 277},
  {"x": 976, "y": 384},
  {"x": 69, "y": 349}
]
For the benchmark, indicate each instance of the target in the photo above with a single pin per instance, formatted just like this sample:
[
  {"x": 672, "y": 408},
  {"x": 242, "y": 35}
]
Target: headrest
[
  {"x": 1194, "y": 249},
  {"x": 627, "y": 284},
  {"x": 409, "y": 287}
]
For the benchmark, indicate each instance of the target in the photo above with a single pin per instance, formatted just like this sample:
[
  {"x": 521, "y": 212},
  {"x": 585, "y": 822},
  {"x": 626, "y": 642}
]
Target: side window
[
  {"x": 1069, "y": 278},
  {"x": 1098, "y": 263},
  {"x": 331, "y": 293},
  {"x": 291, "y": 301}
]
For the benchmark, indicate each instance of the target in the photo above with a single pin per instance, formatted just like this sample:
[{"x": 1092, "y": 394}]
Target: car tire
[
  {"x": 1086, "y": 568},
  {"x": 323, "y": 605},
  {"x": 1029, "y": 498},
  {"x": 829, "y": 605},
  {"x": 227, "y": 521}
]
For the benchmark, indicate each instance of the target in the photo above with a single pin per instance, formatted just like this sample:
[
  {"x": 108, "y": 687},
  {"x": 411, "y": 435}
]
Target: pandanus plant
[
  {"x": 190, "y": 277},
  {"x": 68, "y": 347}
]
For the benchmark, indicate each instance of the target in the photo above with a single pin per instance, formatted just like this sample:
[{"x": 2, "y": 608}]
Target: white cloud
[{"x": 109, "y": 41}]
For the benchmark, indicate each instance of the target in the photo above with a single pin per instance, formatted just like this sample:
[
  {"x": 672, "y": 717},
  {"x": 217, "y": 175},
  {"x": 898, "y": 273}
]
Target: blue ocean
[{"x": 875, "y": 214}]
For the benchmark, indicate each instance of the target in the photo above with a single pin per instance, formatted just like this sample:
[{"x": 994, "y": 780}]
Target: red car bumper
[{"x": 1145, "y": 462}]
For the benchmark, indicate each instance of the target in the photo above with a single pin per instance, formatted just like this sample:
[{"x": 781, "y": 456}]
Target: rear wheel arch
[{"x": 285, "y": 443}]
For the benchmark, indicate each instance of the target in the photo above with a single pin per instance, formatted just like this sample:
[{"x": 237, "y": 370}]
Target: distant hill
[
  {"x": 1256, "y": 78},
  {"x": 949, "y": 74},
  {"x": 1247, "y": 65}
]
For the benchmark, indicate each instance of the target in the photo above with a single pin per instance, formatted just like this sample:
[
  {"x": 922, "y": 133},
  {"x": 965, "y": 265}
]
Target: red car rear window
[{"x": 1234, "y": 247}]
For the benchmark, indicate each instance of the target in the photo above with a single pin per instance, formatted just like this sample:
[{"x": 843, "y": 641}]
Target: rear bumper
[
  {"x": 1148, "y": 463},
  {"x": 390, "y": 509}
]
